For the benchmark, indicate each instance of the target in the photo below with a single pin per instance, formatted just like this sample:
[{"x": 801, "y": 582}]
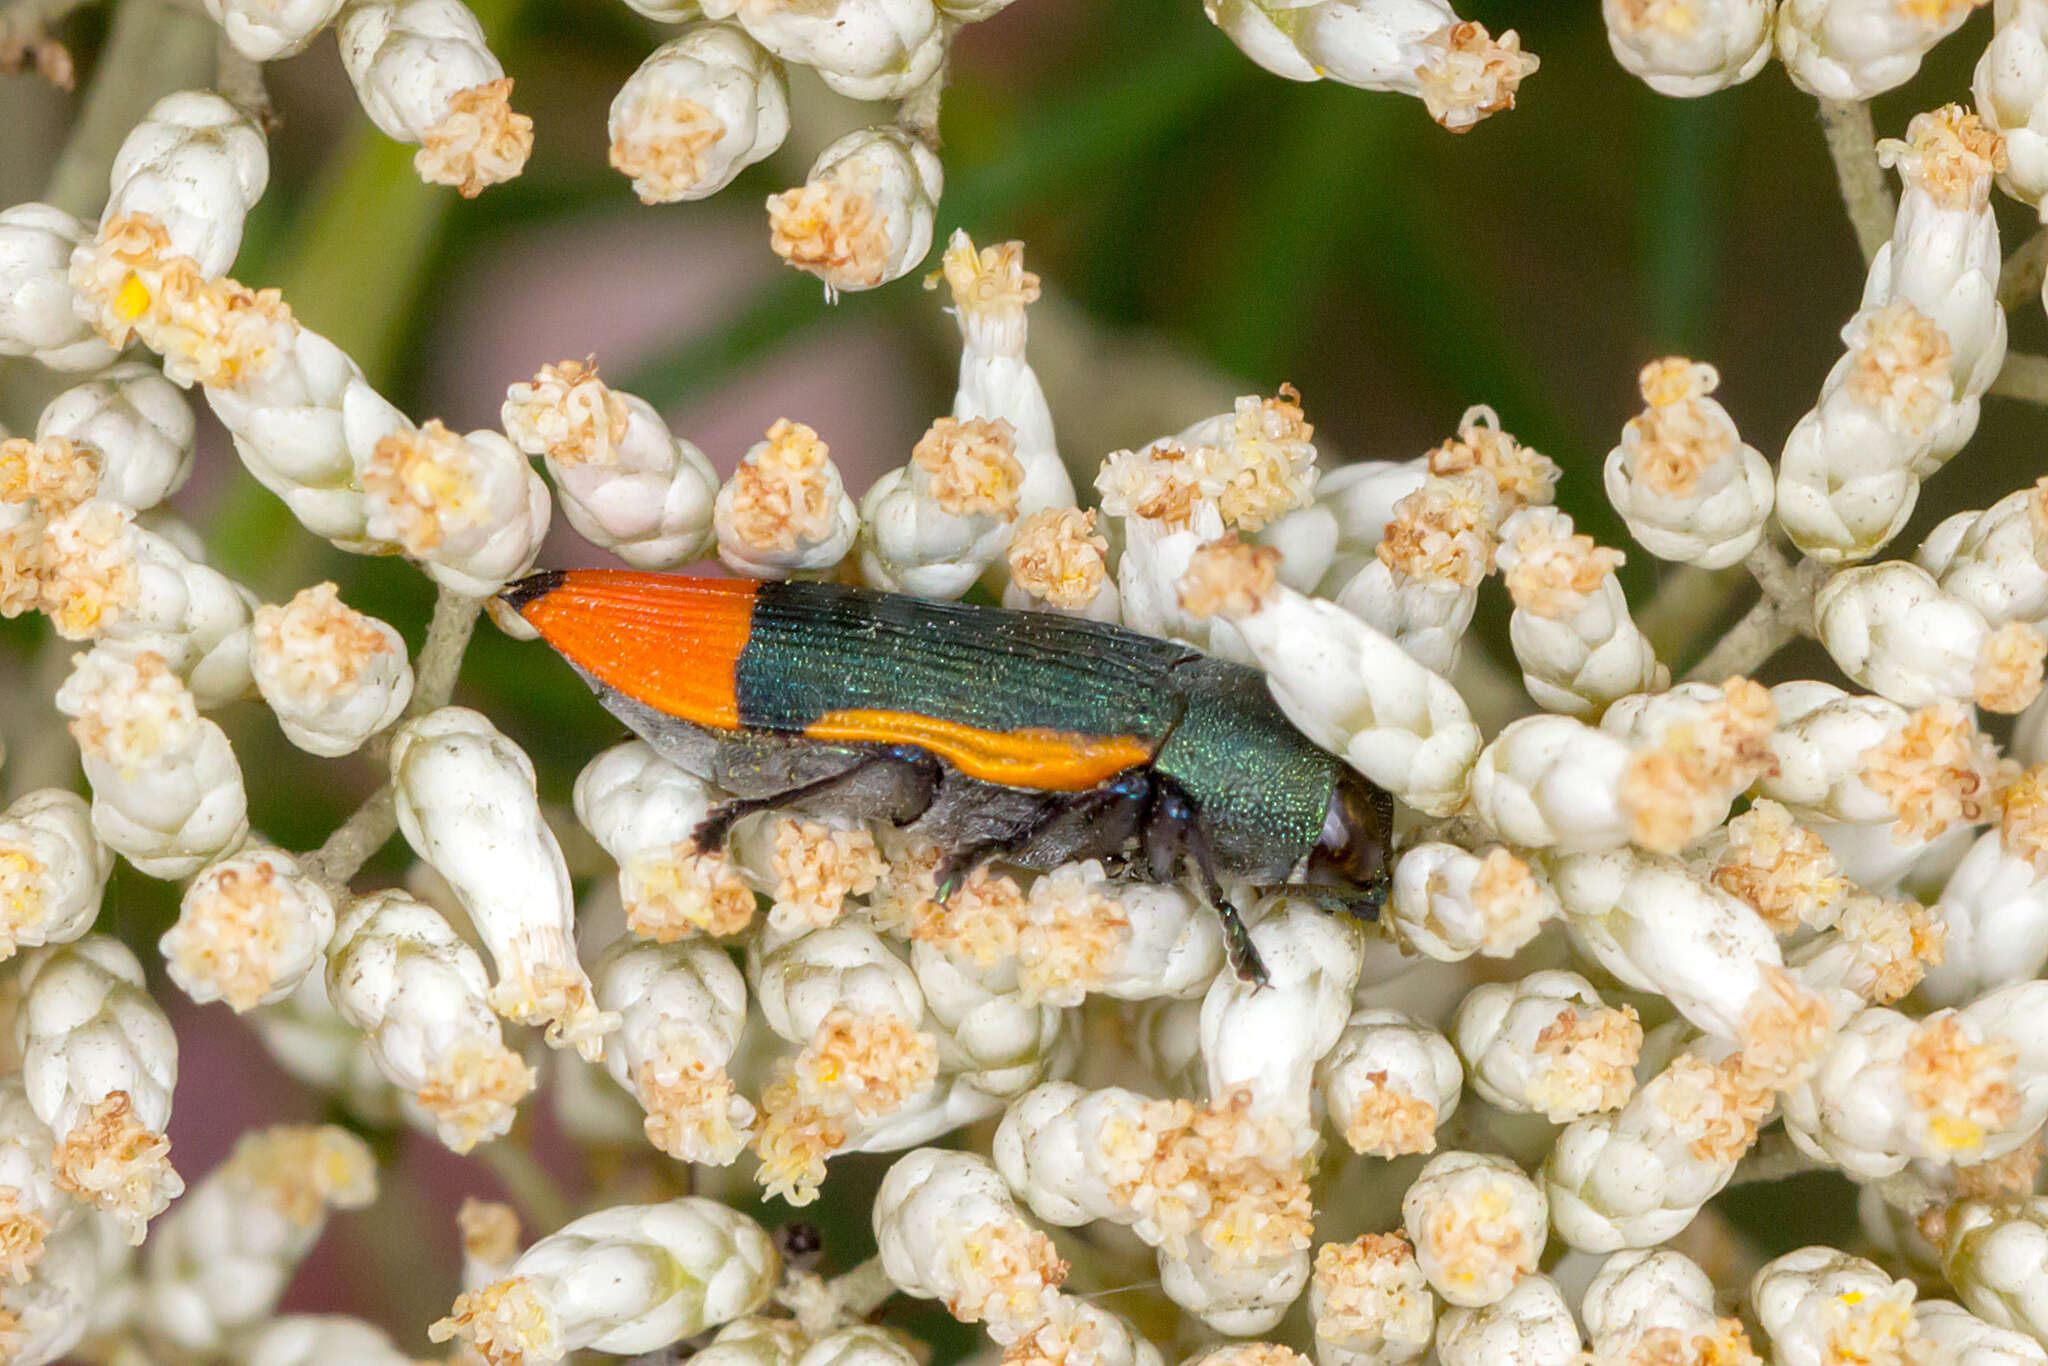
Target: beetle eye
[{"x": 1357, "y": 840}]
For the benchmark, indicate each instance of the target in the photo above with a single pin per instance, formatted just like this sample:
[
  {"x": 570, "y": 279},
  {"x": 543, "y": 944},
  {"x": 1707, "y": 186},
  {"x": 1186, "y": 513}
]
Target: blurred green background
[{"x": 1203, "y": 228}]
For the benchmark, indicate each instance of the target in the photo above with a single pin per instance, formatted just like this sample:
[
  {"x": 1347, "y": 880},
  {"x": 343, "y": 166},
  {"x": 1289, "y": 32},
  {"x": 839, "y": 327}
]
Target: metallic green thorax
[{"x": 1262, "y": 787}]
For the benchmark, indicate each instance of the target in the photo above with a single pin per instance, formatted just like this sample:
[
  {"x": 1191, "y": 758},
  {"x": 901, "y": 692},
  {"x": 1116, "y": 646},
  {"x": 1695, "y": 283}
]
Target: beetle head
[{"x": 1356, "y": 849}]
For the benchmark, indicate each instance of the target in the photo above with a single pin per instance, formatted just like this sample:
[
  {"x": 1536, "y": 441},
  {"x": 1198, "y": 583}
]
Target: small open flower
[
  {"x": 333, "y": 676},
  {"x": 701, "y": 109},
  {"x": 785, "y": 509},
  {"x": 249, "y": 929},
  {"x": 863, "y": 217}
]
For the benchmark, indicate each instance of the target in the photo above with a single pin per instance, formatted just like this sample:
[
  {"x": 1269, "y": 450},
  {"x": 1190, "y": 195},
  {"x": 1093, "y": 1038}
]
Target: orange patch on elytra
[
  {"x": 1048, "y": 760},
  {"x": 669, "y": 641}
]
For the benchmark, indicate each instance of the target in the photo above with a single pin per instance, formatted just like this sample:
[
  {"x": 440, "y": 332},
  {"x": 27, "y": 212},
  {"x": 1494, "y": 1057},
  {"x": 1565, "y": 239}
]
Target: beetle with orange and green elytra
[{"x": 1030, "y": 737}]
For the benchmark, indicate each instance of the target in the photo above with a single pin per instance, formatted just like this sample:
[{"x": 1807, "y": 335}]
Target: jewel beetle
[{"x": 1030, "y": 737}]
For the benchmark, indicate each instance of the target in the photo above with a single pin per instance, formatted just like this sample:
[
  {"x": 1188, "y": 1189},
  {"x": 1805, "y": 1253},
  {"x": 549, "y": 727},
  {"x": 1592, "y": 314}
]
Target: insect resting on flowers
[{"x": 1030, "y": 737}]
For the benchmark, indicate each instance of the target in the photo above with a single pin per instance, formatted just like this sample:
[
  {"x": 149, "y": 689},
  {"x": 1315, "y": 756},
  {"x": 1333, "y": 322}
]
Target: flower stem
[
  {"x": 1852, "y": 142},
  {"x": 151, "y": 50},
  {"x": 2020, "y": 278},
  {"x": 1763, "y": 631},
  {"x": 861, "y": 1291},
  {"x": 2024, "y": 377}
]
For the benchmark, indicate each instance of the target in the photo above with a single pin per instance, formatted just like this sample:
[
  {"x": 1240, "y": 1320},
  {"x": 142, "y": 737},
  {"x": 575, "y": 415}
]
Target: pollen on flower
[
  {"x": 556, "y": 995},
  {"x": 1716, "y": 1108},
  {"x": 1937, "y": 13},
  {"x": 662, "y": 145},
  {"x": 816, "y": 868},
  {"x": 971, "y": 466},
  {"x": 110, "y": 1161},
  {"x": 427, "y": 484},
  {"x": 1524, "y": 475},
  {"x": 1676, "y": 438},
  {"x": 127, "y": 709},
  {"x": 1667, "y": 807},
  {"x": 1073, "y": 939},
  {"x": 2023, "y": 816},
  {"x": 1505, "y": 893},
  {"x": 490, "y": 1231},
  {"x": 1963, "y": 1090},
  {"x": 1555, "y": 573},
  {"x": 1229, "y": 578},
  {"x": 21, "y": 894},
  {"x": 472, "y": 1089},
  {"x": 1679, "y": 788},
  {"x": 1897, "y": 368},
  {"x": 1785, "y": 1027},
  {"x": 979, "y": 924},
  {"x": 567, "y": 414},
  {"x": 832, "y": 231},
  {"x": 795, "y": 1139},
  {"x": 868, "y": 1065},
  {"x": 1936, "y": 770},
  {"x": 1005, "y": 1274},
  {"x": 23, "y": 566},
  {"x": 316, "y": 645},
  {"x": 1870, "y": 1328},
  {"x": 1443, "y": 532},
  {"x": 2009, "y": 666},
  {"x": 505, "y": 1323},
  {"x": 1057, "y": 558},
  {"x": 1782, "y": 870},
  {"x": 1163, "y": 482},
  {"x": 1725, "y": 1344},
  {"x": 1255, "y": 1354},
  {"x": 478, "y": 142},
  {"x": 694, "y": 1113},
  {"x": 1066, "y": 1338},
  {"x": 1586, "y": 1062},
  {"x": 119, "y": 274},
  {"x": 1220, "y": 1171},
  {"x": 22, "y": 1233},
  {"x": 88, "y": 569},
  {"x": 1476, "y": 1233},
  {"x": 1895, "y": 943},
  {"x": 52, "y": 472},
  {"x": 989, "y": 281},
  {"x": 1467, "y": 74},
  {"x": 235, "y": 930},
  {"x": 1948, "y": 151},
  {"x": 1269, "y": 466},
  {"x": 1371, "y": 1287},
  {"x": 674, "y": 892},
  {"x": 781, "y": 497},
  {"x": 1386, "y": 1121},
  {"x": 302, "y": 1170}
]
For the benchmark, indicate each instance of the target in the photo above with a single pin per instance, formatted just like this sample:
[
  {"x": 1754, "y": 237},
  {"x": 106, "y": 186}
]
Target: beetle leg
[
  {"x": 1365, "y": 904},
  {"x": 1174, "y": 835},
  {"x": 1115, "y": 805},
  {"x": 922, "y": 767}
]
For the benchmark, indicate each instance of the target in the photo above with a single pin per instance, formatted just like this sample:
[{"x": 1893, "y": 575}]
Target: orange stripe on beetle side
[
  {"x": 667, "y": 640},
  {"x": 1050, "y": 760}
]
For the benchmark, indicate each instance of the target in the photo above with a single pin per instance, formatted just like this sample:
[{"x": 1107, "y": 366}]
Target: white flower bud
[
  {"x": 138, "y": 423},
  {"x": 424, "y": 75},
  {"x": 1853, "y": 49},
  {"x": 99, "y": 1061},
  {"x": 1265, "y": 1040},
  {"x": 1891, "y": 628},
  {"x": 1639, "y": 1176},
  {"x": 1950, "y": 1332},
  {"x": 993, "y": 1034},
  {"x": 1995, "y": 560},
  {"x": 1996, "y": 1256},
  {"x": 644, "y": 811},
  {"x": 1088, "y": 935},
  {"x": 863, "y": 1344},
  {"x": 1994, "y": 912},
  {"x": 863, "y": 216},
  {"x": 682, "y": 1009},
  {"x": 1531, "y": 1325},
  {"x": 1450, "y": 903},
  {"x": 1231, "y": 1291},
  {"x": 1821, "y": 744},
  {"x": 809, "y": 868},
  {"x": 319, "y": 1340},
  {"x": 249, "y": 929},
  {"x": 625, "y": 1280},
  {"x": 220, "y": 1262},
  {"x": 1080, "y": 1331},
  {"x": 1692, "y": 52},
  {"x": 701, "y": 109},
  {"x": 1389, "y": 1083},
  {"x": 1683, "y": 479},
  {"x": 403, "y": 977},
  {"x": 265, "y": 32},
  {"x": 2011, "y": 90},
  {"x": 1552, "y": 782},
  {"x": 947, "y": 1229},
  {"x": 52, "y": 1313},
  {"x": 934, "y": 526},
  {"x": 1642, "y": 1302},
  {"x": 470, "y": 508},
  {"x": 39, "y": 316},
  {"x": 785, "y": 509},
  {"x": 466, "y": 804},
  {"x": 333, "y": 676},
  {"x": 1370, "y": 1304},
  {"x": 755, "y": 1341},
  {"x": 1818, "y": 1306},
  {"x": 1411, "y": 47},
  {"x": 53, "y": 871},
  {"x": 166, "y": 791},
  {"x": 33, "y": 1204},
  {"x": 1478, "y": 1226},
  {"x": 1578, "y": 647},
  {"x": 865, "y": 49},
  {"x": 197, "y": 165},
  {"x": 991, "y": 291},
  {"x": 1547, "y": 1045},
  {"x": 1423, "y": 582}
]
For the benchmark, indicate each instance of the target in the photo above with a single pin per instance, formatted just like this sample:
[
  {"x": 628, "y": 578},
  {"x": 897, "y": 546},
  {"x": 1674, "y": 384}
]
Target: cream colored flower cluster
[{"x": 1645, "y": 939}]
